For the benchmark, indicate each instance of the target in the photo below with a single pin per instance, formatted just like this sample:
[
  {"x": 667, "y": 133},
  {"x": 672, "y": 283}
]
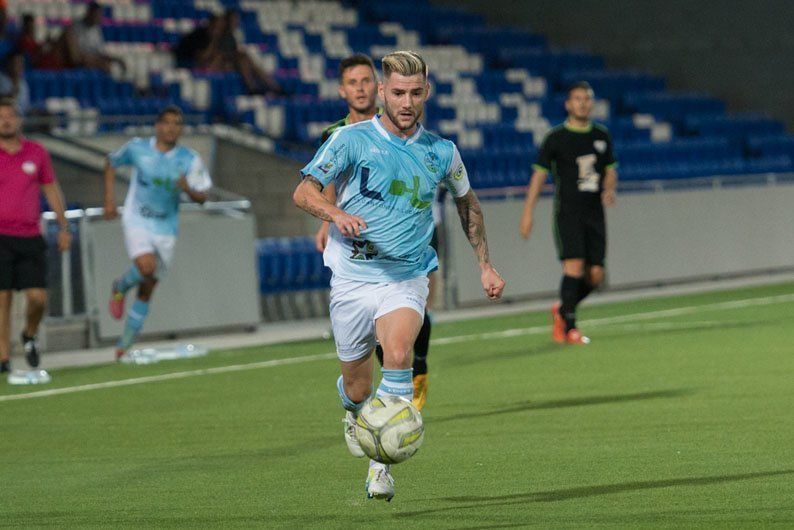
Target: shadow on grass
[
  {"x": 508, "y": 355},
  {"x": 566, "y": 403},
  {"x": 144, "y": 469},
  {"x": 474, "y": 502}
]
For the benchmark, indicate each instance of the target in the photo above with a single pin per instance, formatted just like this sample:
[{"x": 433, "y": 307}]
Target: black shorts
[
  {"x": 581, "y": 235},
  {"x": 23, "y": 263}
]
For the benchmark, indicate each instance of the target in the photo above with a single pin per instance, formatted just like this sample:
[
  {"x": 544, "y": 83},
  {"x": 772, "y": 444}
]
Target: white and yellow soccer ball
[{"x": 389, "y": 429}]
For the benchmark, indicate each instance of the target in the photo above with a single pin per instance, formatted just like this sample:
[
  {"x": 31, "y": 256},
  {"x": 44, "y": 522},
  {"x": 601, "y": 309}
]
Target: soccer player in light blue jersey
[
  {"x": 163, "y": 170},
  {"x": 386, "y": 171}
]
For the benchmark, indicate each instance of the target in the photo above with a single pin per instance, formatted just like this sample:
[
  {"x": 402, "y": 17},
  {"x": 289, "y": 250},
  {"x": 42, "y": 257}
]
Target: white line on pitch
[
  {"x": 649, "y": 315},
  {"x": 169, "y": 376},
  {"x": 686, "y": 310}
]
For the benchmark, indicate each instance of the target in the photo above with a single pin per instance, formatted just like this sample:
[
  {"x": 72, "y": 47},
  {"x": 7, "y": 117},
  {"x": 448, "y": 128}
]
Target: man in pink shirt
[{"x": 25, "y": 171}]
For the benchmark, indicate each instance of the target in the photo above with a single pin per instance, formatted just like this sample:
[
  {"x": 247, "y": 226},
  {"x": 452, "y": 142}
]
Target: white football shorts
[
  {"x": 355, "y": 306},
  {"x": 140, "y": 241}
]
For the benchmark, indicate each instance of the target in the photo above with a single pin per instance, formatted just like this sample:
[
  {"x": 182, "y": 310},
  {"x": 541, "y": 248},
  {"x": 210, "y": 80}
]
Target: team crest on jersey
[
  {"x": 29, "y": 167},
  {"x": 335, "y": 151},
  {"x": 431, "y": 162},
  {"x": 600, "y": 146}
]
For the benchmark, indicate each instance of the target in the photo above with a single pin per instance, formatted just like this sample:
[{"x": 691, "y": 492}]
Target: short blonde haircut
[{"x": 405, "y": 63}]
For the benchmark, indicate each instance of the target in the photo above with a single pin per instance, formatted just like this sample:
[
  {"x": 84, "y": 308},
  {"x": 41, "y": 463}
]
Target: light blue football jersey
[
  {"x": 153, "y": 198},
  {"x": 390, "y": 183}
]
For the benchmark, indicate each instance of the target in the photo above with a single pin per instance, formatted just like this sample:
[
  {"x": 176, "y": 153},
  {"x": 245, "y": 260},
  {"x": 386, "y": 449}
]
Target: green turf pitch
[{"x": 680, "y": 414}]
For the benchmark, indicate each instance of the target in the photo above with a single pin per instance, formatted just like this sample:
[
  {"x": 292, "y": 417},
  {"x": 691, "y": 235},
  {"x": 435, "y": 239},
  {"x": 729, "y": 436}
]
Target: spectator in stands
[
  {"x": 26, "y": 42},
  {"x": 80, "y": 45},
  {"x": 88, "y": 46},
  {"x": 225, "y": 54},
  {"x": 26, "y": 170},
  {"x": 190, "y": 51},
  {"x": 13, "y": 83},
  {"x": 53, "y": 54},
  {"x": 8, "y": 40},
  {"x": 49, "y": 55}
]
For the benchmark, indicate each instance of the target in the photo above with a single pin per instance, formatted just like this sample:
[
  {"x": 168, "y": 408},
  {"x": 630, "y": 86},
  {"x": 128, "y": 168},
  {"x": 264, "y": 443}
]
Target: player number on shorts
[{"x": 588, "y": 177}]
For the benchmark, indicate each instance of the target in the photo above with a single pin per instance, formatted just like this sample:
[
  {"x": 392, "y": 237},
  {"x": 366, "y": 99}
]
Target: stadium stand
[{"x": 496, "y": 93}]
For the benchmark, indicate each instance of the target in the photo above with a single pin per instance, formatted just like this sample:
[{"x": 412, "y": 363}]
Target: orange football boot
[{"x": 575, "y": 336}]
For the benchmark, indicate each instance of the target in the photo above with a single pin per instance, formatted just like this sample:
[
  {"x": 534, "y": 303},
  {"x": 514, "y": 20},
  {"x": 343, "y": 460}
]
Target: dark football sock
[
  {"x": 584, "y": 290},
  {"x": 422, "y": 346},
  {"x": 569, "y": 295},
  {"x": 379, "y": 354}
]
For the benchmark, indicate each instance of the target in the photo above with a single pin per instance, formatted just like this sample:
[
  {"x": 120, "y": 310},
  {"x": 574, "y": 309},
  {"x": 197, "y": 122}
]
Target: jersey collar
[
  {"x": 573, "y": 128},
  {"x": 394, "y": 138},
  {"x": 153, "y": 145},
  {"x": 346, "y": 121}
]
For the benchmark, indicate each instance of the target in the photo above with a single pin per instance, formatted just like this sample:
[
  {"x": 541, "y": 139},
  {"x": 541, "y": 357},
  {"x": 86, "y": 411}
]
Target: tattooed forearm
[
  {"x": 315, "y": 211},
  {"x": 473, "y": 222},
  {"x": 309, "y": 197}
]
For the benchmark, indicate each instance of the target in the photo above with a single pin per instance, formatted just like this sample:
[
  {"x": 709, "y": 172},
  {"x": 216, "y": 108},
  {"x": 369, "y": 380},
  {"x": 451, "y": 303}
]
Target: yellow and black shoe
[{"x": 420, "y": 391}]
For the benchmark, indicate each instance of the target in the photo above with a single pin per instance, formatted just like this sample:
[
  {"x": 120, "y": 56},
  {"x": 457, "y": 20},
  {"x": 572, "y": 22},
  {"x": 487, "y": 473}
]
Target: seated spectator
[
  {"x": 26, "y": 42},
  {"x": 191, "y": 47},
  {"x": 88, "y": 44},
  {"x": 80, "y": 45},
  {"x": 12, "y": 81},
  {"x": 54, "y": 54},
  {"x": 8, "y": 40},
  {"x": 225, "y": 54}
]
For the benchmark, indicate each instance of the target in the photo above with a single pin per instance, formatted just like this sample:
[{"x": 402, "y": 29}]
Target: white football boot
[
  {"x": 380, "y": 483},
  {"x": 350, "y": 435}
]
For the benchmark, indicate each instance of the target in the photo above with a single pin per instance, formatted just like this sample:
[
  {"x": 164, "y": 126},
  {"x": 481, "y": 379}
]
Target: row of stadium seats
[
  {"x": 87, "y": 86},
  {"x": 497, "y": 90},
  {"x": 290, "y": 264}
]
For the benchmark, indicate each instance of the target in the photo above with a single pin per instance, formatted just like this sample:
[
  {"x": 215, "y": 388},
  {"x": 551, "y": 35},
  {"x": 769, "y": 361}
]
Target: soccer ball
[{"x": 389, "y": 429}]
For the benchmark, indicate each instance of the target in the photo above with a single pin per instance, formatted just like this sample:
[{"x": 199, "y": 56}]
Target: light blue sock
[
  {"x": 136, "y": 316},
  {"x": 129, "y": 279},
  {"x": 347, "y": 403},
  {"x": 397, "y": 383}
]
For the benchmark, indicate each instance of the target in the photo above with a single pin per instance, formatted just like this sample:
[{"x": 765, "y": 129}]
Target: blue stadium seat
[{"x": 707, "y": 141}]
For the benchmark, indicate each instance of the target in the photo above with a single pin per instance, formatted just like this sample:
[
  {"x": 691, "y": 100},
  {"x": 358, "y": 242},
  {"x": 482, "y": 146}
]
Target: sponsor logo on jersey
[
  {"x": 148, "y": 213},
  {"x": 600, "y": 146},
  {"x": 458, "y": 173},
  {"x": 399, "y": 188},
  {"x": 364, "y": 250},
  {"x": 29, "y": 167}
]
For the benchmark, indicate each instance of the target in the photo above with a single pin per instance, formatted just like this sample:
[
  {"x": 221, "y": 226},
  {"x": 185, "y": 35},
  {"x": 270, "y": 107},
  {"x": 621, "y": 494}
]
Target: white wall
[
  {"x": 653, "y": 238},
  {"x": 211, "y": 284}
]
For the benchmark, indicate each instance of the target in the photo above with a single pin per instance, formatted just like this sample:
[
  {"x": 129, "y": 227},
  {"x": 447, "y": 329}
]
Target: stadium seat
[{"x": 496, "y": 91}]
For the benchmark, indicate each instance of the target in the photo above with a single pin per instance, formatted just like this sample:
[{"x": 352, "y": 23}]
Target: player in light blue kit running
[
  {"x": 386, "y": 171},
  {"x": 162, "y": 171}
]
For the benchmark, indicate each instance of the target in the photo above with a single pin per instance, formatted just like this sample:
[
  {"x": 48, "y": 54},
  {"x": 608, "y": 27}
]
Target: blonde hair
[{"x": 405, "y": 63}]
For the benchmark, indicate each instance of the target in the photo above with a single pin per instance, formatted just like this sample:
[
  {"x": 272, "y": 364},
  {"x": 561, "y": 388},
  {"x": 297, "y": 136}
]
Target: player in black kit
[{"x": 578, "y": 154}]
